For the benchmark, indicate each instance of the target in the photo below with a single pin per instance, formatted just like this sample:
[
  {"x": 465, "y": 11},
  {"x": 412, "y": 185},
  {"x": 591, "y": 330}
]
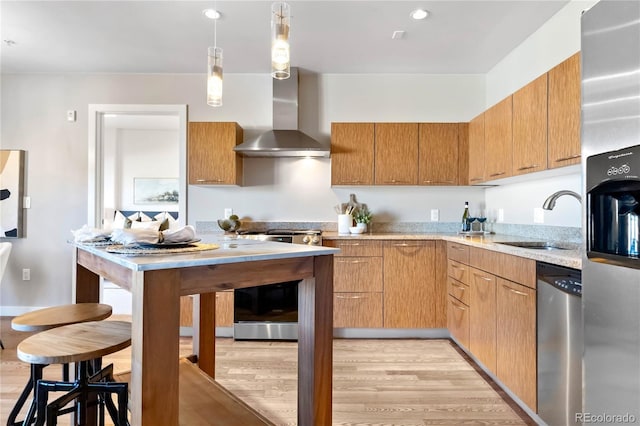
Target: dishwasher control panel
[{"x": 569, "y": 285}]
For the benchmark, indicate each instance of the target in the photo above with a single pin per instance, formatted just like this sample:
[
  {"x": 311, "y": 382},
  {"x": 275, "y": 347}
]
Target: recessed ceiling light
[
  {"x": 211, "y": 13},
  {"x": 419, "y": 14}
]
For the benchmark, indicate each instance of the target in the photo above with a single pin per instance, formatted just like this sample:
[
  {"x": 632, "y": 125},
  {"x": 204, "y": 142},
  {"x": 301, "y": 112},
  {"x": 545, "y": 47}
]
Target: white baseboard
[{"x": 14, "y": 311}]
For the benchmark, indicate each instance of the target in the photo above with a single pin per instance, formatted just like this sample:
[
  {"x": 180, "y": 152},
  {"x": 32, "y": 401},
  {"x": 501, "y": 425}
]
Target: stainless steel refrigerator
[{"x": 611, "y": 178}]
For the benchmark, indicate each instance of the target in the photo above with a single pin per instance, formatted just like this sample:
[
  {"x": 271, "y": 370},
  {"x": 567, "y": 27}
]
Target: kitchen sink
[{"x": 538, "y": 245}]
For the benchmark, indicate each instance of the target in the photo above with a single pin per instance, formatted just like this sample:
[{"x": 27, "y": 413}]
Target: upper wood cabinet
[
  {"x": 476, "y": 150},
  {"x": 564, "y": 113},
  {"x": 530, "y": 127},
  {"x": 352, "y": 151},
  {"x": 438, "y": 154},
  {"x": 396, "y": 153},
  {"x": 498, "y": 136},
  {"x": 463, "y": 153},
  {"x": 410, "y": 287},
  {"x": 212, "y": 160}
]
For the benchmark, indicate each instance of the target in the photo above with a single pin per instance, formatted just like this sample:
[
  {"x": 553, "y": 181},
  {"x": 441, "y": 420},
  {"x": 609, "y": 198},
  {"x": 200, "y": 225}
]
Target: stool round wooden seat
[
  {"x": 57, "y": 316},
  {"x": 80, "y": 343},
  {"x": 75, "y": 342}
]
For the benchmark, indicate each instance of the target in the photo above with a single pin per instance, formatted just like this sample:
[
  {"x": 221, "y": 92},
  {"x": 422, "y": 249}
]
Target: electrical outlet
[
  {"x": 71, "y": 115},
  {"x": 26, "y": 274},
  {"x": 435, "y": 215},
  {"x": 227, "y": 213},
  {"x": 500, "y": 215},
  {"x": 538, "y": 215}
]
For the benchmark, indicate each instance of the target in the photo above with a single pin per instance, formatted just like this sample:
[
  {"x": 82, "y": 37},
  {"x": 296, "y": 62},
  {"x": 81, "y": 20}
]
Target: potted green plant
[{"x": 362, "y": 217}]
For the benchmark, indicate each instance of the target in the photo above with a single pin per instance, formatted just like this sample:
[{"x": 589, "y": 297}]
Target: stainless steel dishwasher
[{"x": 560, "y": 344}]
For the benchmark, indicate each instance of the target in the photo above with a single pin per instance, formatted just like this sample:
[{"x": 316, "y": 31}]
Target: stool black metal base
[{"x": 101, "y": 384}]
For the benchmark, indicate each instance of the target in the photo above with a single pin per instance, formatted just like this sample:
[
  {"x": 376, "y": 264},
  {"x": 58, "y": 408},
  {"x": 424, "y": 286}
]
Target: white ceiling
[{"x": 459, "y": 37}]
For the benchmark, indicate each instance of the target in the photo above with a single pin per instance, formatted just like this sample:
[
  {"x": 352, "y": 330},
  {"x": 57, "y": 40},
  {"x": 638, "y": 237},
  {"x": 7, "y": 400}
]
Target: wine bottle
[{"x": 466, "y": 226}]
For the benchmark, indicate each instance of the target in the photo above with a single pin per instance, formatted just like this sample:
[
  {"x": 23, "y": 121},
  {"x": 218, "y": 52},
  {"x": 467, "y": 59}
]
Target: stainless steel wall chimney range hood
[{"x": 285, "y": 140}]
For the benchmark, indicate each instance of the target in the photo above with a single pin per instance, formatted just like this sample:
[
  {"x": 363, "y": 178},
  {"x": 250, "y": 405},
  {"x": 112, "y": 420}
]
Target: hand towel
[
  {"x": 86, "y": 234},
  {"x": 135, "y": 236},
  {"x": 180, "y": 235}
]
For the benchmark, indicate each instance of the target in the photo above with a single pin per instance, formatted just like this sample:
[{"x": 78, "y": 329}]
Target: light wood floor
[{"x": 375, "y": 382}]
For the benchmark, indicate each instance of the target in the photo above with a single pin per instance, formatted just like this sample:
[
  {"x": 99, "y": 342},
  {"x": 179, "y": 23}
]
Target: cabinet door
[
  {"x": 530, "y": 127},
  {"x": 396, "y": 154},
  {"x": 224, "y": 308},
  {"x": 409, "y": 285},
  {"x": 357, "y": 274},
  {"x": 516, "y": 340},
  {"x": 463, "y": 153},
  {"x": 438, "y": 154},
  {"x": 357, "y": 310},
  {"x": 476, "y": 150},
  {"x": 458, "y": 320},
  {"x": 482, "y": 317},
  {"x": 499, "y": 140},
  {"x": 352, "y": 150},
  {"x": 564, "y": 113},
  {"x": 212, "y": 159}
]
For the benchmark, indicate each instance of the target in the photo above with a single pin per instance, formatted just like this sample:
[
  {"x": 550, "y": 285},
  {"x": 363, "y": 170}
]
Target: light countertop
[
  {"x": 231, "y": 251},
  {"x": 571, "y": 258}
]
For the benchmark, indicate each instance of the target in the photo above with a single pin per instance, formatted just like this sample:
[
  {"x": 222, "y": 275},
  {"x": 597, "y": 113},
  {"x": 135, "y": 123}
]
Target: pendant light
[
  {"x": 214, "y": 73},
  {"x": 280, "y": 50}
]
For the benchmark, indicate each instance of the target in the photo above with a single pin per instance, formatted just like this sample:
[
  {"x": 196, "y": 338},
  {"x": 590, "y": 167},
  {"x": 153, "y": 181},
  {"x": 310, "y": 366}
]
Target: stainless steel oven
[{"x": 270, "y": 312}]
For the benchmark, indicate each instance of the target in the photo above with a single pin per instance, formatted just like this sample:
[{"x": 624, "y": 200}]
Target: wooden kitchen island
[{"x": 157, "y": 282}]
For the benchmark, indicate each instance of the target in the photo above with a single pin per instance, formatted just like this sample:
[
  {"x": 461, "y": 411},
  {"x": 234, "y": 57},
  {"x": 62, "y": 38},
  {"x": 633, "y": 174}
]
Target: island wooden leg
[
  {"x": 87, "y": 285},
  {"x": 315, "y": 345},
  {"x": 207, "y": 333},
  {"x": 155, "y": 348}
]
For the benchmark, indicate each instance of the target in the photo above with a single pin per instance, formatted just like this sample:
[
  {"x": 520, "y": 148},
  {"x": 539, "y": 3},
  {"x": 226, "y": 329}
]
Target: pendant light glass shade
[
  {"x": 214, "y": 77},
  {"x": 280, "y": 51}
]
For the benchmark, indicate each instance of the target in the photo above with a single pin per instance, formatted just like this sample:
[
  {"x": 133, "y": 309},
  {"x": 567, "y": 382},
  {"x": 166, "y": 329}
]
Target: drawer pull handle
[
  {"x": 438, "y": 181},
  {"x": 396, "y": 181},
  {"x": 483, "y": 277},
  {"x": 458, "y": 307},
  {"x": 475, "y": 179},
  {"x": 340, "y": 296},
  {"x": 519, "y": 293},
  {"x": 350, "y": 181},
  {"x": 209, "y": 180},
  {"x": 571, "y": 157},
  {"x": 496, "y": 174},
  {"x": 457, "y": 248},
  {"x": 533, "y": 166},
  {"x": 457, "y": 267},
  {"x": 353, "y": 261},
  {"x": 350, "y": 244},
  {"x": 458, "y": 287}
]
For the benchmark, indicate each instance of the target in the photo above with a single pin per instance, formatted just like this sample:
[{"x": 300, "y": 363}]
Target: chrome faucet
[{"x": 550, "y": 202}]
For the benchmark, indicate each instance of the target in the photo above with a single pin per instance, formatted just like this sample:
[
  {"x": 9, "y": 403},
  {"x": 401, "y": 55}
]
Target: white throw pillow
[
  {"x": 152, "y": 224},
  {"x": 173, "y": 223}
]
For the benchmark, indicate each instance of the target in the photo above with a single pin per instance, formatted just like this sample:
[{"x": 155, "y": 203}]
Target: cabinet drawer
[
  {"x": 355, "y": 248},
  {"x": 458, "y": 271},
  {"x": 458, "y": 290},
  {"x": 458, "y": 320},
  {"x": 357, "y": 310},
  {"x": 357, "y": 274},
  {"x": 458, "y": 252},
  {"x": 513, "y": 268}
]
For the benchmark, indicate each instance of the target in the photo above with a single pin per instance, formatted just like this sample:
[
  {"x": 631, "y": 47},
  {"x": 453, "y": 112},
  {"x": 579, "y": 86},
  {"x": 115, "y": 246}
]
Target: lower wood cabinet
[
  {"x": 458, "y": 320},
  {"x": 482, "y": 318},
  {"x": 224, "y": 309},
  {"x": 516, "y": 339},
  {"x": 357, "y": 310},
  {"x": 410, "y": 288}
]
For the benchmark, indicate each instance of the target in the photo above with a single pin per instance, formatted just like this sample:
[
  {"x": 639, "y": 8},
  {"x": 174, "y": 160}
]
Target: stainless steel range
[{"x": 270, "y": 312}]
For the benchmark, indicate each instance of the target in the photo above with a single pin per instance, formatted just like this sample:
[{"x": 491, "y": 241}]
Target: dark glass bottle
[{"x": 466, "y": 225}]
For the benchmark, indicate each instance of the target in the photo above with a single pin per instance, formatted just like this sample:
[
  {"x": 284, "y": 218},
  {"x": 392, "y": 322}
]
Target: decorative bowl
[
  {"x": 356, "y": 229},
  {"x": 229, "y": 225}
]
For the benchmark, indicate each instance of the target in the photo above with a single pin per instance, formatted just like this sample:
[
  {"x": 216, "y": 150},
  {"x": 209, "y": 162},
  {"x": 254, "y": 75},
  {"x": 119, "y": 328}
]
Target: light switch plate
[
  {"x": 227, "y": 213},
  {"x": 435, "y": 215},
  {"x": 71, "y": 115},
  {"x": 26, "y": 202}
]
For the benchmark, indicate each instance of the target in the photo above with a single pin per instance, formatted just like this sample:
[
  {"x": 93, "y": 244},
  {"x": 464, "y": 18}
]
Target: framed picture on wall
[
  {"x": 11, "y": 193},
  {"x": 155, "y": 190}
]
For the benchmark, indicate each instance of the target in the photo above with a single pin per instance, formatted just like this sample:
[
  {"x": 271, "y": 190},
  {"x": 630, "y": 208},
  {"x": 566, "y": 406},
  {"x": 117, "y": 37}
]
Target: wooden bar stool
[
  {"x": 79, "y": 343},
  {"x": 46, "y": 319}
]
